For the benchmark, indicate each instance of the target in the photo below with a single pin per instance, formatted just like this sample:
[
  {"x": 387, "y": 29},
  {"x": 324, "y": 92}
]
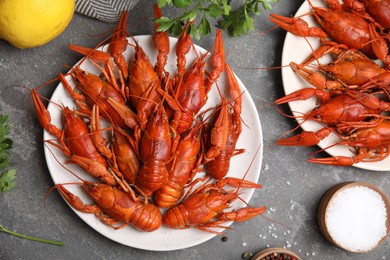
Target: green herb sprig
[
  {"x": 7, "y": 178},
  {"x": 238, "y": 22},
  {"x": 47, "y": 241}
]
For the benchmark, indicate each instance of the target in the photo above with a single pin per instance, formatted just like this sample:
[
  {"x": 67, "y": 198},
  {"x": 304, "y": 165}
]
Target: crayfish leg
[
  {"x": 207, "y": 227},
  {"x": 44, "y": 115},
  {"x": 109, "y": 221},
  {"x": 242, "y": 214},
  {"x": 342, "y": 160},
  {"x": 76, "y": 202}
]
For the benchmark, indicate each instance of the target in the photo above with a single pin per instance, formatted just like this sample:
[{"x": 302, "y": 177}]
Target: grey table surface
[{"x": 292, "y": 187}]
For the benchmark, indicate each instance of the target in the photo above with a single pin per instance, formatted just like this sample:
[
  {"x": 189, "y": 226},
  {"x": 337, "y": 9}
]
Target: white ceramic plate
[
  {"x": 163, "y": 239},
  {"x": 297, "y": 49}
]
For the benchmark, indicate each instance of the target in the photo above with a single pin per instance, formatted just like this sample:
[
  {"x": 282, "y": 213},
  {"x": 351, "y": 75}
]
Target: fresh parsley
[
  {"x": 8, "y": 175},
  {"x": 238, "y": 21},
  {"x": 7, "y": 180}
]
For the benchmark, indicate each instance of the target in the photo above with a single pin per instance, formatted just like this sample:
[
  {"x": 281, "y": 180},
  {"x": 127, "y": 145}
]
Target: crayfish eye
[{"x": 92, "y": 186}]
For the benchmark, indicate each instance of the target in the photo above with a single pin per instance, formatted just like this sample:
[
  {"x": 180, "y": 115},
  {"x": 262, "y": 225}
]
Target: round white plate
[
  {"x": 163, "y": 239},
  {"x": 297, "y": 49}
]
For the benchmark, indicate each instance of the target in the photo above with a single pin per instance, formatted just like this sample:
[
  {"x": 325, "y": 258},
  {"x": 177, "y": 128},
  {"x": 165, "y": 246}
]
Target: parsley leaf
[
  {"x": 8, "y": 175},
  {"x": 7, "y": 180},
  {"x": 238, "y": 22}
]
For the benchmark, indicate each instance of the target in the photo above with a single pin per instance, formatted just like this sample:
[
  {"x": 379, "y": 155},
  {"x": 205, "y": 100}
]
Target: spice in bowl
[
  {"x": 276, "y": 253},
  {"x": 354, "y": 216}
]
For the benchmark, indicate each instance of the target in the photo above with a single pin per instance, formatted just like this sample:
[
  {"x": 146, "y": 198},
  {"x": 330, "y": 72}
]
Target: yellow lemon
[{"x": 32, "y": 23}]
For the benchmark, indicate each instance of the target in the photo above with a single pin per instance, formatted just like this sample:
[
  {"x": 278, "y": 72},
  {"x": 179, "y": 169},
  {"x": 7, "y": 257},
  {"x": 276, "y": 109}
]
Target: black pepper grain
[
  {"x": 225, "y": 238},
  {"x": 245, "y": 255}
]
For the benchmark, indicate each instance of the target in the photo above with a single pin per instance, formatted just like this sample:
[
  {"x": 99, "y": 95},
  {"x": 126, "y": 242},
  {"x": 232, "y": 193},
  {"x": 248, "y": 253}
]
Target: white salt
[{"x": 356, "y": 218}]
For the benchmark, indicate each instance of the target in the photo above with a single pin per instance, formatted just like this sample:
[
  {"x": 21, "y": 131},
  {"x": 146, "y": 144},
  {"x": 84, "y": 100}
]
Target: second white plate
[{"x": 297, "y": 49}]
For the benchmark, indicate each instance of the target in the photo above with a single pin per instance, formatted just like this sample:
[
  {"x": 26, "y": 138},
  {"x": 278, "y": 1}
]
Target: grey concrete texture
[{"x": 292, "y": 188}]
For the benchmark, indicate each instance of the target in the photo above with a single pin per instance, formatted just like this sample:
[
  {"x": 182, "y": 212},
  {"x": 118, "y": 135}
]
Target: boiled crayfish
[
  {"x": 204, "y": 208},
  {"x": 141, "y": 131},
  {"x": 352, "y": 89}
]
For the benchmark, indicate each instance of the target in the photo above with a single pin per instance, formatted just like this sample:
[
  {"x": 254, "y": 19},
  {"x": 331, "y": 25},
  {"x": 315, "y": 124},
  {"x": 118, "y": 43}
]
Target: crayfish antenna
[
  {"x": 53, "y": 188},
  {"x": 250, "y": 166},
  {"x": 214, "y": 224}
]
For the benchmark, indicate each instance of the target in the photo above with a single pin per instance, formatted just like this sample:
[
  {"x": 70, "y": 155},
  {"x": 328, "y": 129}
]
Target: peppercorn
[
  {"x": 245, "y": 255},
  {"x": 224, "y": 238}
]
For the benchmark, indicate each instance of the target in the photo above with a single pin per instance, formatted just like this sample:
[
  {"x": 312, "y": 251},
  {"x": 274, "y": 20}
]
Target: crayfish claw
[
  {"x": 296, "y": 26},
  {"x": 306, "y": 138},
  {"x": 242, "y": 214},
  {"x": 337, "y": 160},
  {"x": 236, "y": 183},
  {"x": 76, "y": 202}
]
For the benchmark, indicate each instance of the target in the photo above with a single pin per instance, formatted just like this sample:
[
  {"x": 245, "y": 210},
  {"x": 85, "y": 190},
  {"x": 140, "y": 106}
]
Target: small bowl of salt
[{"x": 354, "y": 216}]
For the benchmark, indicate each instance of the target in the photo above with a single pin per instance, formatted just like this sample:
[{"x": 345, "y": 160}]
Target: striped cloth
[{"x": 104, "y": 10}]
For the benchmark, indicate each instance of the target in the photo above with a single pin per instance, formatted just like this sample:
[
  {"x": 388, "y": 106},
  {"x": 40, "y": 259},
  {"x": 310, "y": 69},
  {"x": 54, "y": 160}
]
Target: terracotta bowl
[
  {"x": 277, "y": 250},
  {"x": 327, "y": 200}
]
